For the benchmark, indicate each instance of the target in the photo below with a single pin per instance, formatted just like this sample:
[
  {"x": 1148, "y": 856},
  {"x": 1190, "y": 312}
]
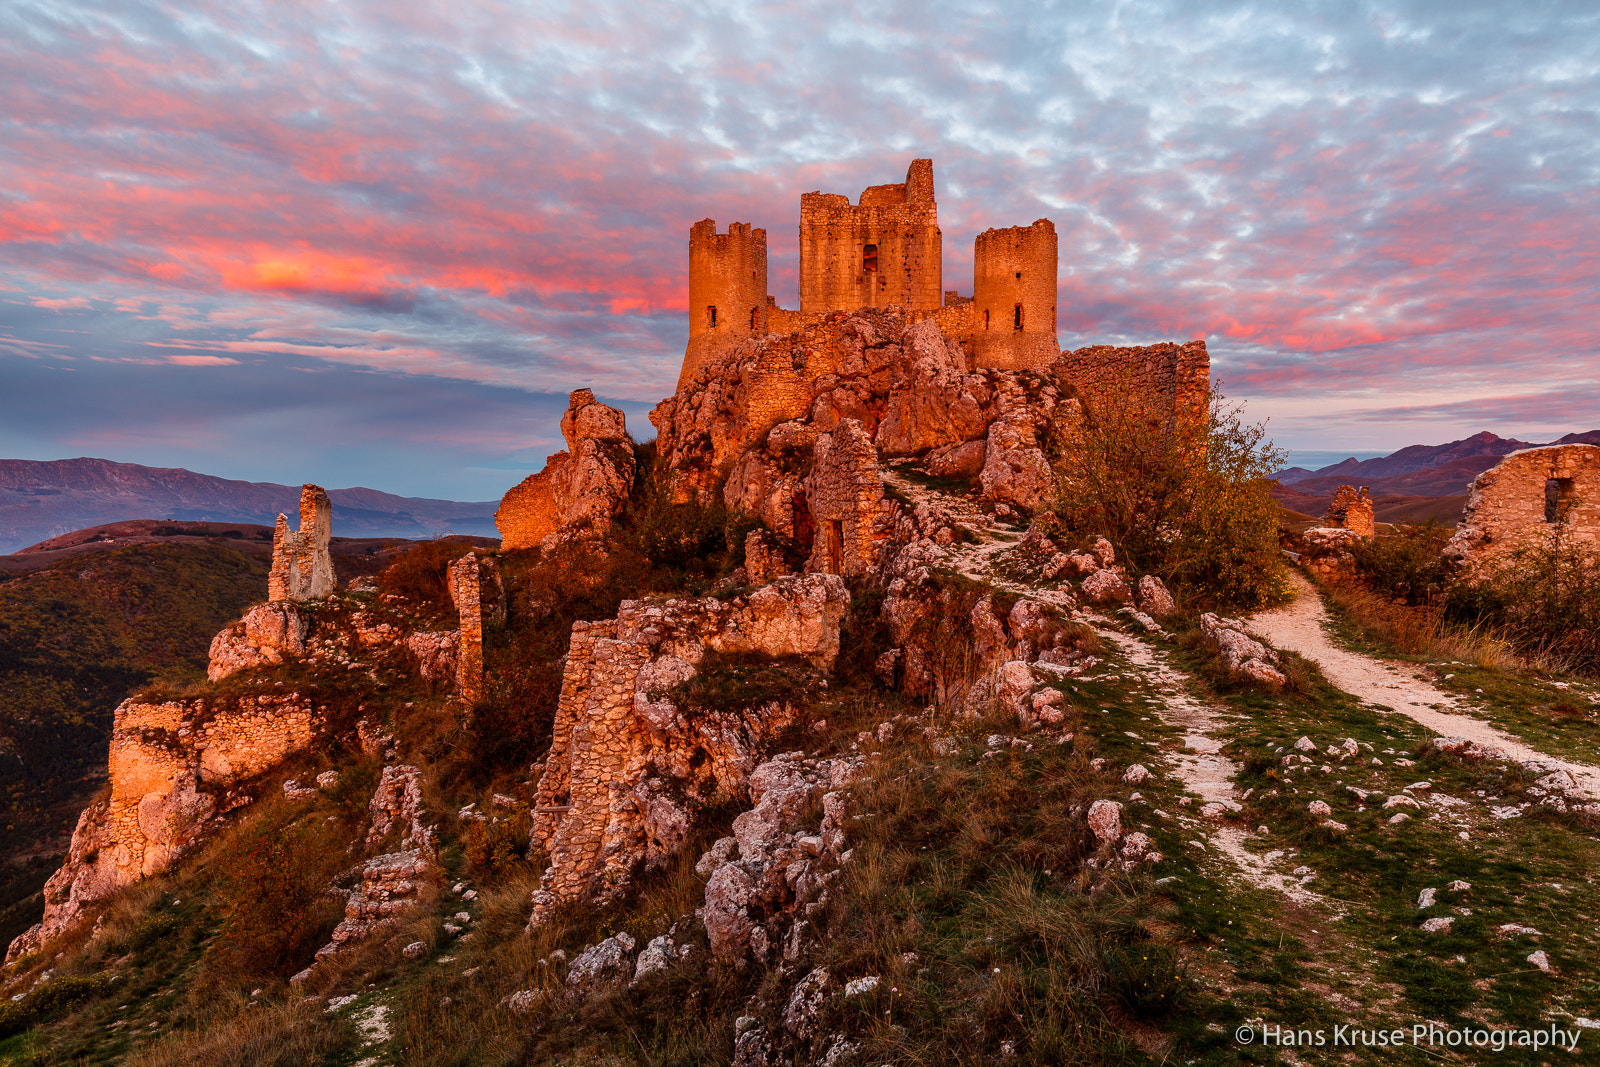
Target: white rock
[
  {"x": 1319, "y": 807},
  {"x": 1458, "y": 886},
  {"x": 860, "y": 986},
  {"x": 1425, "y": 898},
  {"x": 1105, "y": 820},
  {"x": 1305, "y": 744},
  {"x": 1136, "y": 774},
  {"x": 1540, "y": 960},
  {"x": 1438, "y": 926},
  {"x": 416, "y": 950}
]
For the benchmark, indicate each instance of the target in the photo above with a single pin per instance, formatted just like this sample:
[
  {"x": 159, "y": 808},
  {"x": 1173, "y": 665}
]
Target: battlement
[{"x": 884, "y": 250}]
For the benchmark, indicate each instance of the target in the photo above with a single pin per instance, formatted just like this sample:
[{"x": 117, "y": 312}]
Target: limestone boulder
[
  {"x": 266, "y": 636},
  {"x": 930, "y": 403},
  {"x": 1241, "y": 652},
  {"x": 1154, "y": 598},
  {"x": 961, "y": 460},
  {"x": 1015, "y": 470}
]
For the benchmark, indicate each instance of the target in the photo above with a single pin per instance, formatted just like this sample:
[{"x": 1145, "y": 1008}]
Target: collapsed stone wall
[
  {"x": 302, "y": 566},
  {"x": 579, "y": 491},
  {"x": 1171, "y": 381},
  {"x": 1352, "y": 509},
  {"x": 844, "y": 493},
  {"x": 174, "y": 766},
  {"x": 478, "y": 594},
  {"x": 1528, "y": 498},
  {"x": 627, "y": 769}
]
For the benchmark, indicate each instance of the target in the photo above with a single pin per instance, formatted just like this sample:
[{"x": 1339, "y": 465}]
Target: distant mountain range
[
  {"x": 43, "y": 499},
  {"x": 1414, "y": 473}
]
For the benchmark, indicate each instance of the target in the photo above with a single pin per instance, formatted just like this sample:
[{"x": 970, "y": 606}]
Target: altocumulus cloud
[{"x": 445, "y": 216}]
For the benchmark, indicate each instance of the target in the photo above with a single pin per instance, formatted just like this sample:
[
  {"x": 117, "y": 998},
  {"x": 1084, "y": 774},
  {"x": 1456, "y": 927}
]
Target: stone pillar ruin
[
  {"x": 1352, "y": 510},
  {"x": 475, "y": 589},
  {"x": 302, "y": 567},
  {"x": 844, "y": 493}
]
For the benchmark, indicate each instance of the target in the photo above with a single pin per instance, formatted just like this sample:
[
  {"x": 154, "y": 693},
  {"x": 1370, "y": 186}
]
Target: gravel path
[{"x": 1399, "y": 687}]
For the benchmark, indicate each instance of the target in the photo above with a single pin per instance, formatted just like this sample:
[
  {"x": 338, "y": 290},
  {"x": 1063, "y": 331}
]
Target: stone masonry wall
[
  {"x": 627, "y": 769},
  {"x": 476, "y": 591},
  {"x": 845, "y": 495},
  {"x": 1172, "y": 380},
  {"x": 173, "y": 767},
  {"x": 302, "y": 567},
  {"x": 1352, "y": 509},
  {"x": 1530, "y": 496},
  {"x": 900, "y": 222},
  {"x": 727, "y": 290}
]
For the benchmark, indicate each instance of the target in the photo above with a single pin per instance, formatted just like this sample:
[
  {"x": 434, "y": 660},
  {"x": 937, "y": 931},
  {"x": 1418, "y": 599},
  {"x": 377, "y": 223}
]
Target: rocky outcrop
[
  {"x": 267, "y": 635},
  {"x": 1015, "y": 469},
  {"x": 580, "y": 490},
  {"x": 1240, "y": 652},
  {"x": 173, "y": 767},
  {"x": 765, "y": 879},
  {"x": 630, "y": 764}
]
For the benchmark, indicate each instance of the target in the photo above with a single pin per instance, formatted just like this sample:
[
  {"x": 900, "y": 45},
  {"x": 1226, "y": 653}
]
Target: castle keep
[{"x": 884, "y": 250}]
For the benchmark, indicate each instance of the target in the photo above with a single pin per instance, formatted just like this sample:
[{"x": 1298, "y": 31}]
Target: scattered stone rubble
[{"x": 386, "y": 889}]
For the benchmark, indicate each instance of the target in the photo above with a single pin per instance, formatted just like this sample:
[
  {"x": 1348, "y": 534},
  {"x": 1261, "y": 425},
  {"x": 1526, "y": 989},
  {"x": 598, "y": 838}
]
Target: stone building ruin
[
  {"x": 302, "y": 567},
  {"x": 1352, "y": 509},
  {"x": 1528, "y": 499},
  {"x": 884, "y": 250}
]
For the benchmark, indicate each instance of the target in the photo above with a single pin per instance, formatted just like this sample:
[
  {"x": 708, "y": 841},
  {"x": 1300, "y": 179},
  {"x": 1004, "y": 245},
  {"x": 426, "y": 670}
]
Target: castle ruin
[
  {"x": 302, "y": 567},
  {"x": 884, "y": 250},
  {"x": 1530, "y": 497}
]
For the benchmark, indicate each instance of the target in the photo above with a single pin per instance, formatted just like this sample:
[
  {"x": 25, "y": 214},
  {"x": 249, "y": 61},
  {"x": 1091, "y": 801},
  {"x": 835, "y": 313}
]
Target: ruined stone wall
[
  {"x": 1171, "y": 380},
  {"x": 839, "y": 272},
  {"x": 1352, "y": 509},
  {"x": 302, "y": 567},
  {"x": 627, "y": 769},
  {"x": 727, "y": 290},
  {"x": 173, "y": 766},
  {"x": 1014, "y": 297},
  {"x": 528, "y": 512},
  {"x": 844, "y": 493},
  {"x": 1528, "y": 498}
]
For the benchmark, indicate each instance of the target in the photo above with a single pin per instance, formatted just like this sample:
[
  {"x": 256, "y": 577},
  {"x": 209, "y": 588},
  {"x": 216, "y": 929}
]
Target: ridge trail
[{"x": 1300, "y": 627}]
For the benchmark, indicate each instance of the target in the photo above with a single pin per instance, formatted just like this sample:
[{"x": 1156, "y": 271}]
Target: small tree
[{"x": 1185, "y": 496}]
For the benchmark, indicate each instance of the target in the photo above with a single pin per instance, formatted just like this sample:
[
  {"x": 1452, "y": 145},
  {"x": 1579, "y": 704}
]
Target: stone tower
[
  {"x": 1014, "y": 297},
  {"x": 302, "y": 567},
  {"x": 727, "y": 291},
  {"x": 885, "y": 250}
]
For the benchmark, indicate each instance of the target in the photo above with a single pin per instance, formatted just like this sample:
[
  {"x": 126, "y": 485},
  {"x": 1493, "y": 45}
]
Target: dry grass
[
  {"x": 256, "y": 1035},
  {"x": 1422, "y": 630}
]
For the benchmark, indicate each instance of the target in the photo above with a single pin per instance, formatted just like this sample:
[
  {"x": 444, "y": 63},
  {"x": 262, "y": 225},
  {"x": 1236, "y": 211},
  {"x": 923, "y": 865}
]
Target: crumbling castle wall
[
  {"x": 302, "y": 567},
  {"x": 1529, "y": 498},
  {"x": 844, "y": 493},
  {"x": 173, "y": 766},
  {"x": 627, "y": 768},
  {"x": 1171, "y": 381},
  {"x": 580, "y": 490},
  {"x": 1352, "y": 509}
]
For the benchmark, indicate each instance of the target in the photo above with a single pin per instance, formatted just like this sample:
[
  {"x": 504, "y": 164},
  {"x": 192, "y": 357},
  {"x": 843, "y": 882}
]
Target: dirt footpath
[{"x": 1299, "y": 627}]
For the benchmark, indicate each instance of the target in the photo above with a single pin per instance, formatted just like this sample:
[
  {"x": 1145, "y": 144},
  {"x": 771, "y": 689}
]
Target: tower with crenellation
[{"x": 727, "y": 290}]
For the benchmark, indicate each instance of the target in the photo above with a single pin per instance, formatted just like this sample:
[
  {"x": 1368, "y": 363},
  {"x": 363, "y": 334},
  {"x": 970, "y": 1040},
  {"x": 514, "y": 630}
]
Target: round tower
[
  {"x": 727, "y": 291},
  {"x": 1014, "y": 297}
]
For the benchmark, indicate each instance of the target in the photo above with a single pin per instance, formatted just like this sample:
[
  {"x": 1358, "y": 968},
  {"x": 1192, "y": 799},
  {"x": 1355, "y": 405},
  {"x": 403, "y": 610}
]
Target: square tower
[{"x": 884, "y": 250}]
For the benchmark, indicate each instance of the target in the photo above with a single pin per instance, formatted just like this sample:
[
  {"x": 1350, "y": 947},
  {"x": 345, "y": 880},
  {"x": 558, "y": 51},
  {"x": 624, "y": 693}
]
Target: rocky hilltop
[{"x": 809, "y": 735}]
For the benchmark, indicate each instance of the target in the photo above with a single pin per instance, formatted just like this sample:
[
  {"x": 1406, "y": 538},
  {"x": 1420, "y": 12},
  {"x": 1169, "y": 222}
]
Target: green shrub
[
  {"x": 1406, "y": 563},
  {"x": 1541, "y": 598},
  {"x": 1185, "y": 498},
  {"x": 273, "y": 878}
]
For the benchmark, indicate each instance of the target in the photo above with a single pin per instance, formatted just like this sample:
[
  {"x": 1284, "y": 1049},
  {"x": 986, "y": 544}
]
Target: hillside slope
[{"x": 43, "y": 499}]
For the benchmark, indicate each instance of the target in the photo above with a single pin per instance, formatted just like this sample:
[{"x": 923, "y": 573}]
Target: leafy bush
[
  {"x": 1541, "y": 598},
  {"x": 1406, "y": 563},
  {"x": 273, "y": 878},
  {"x": 1185, "y": 498},
  {"x": 419, "y": 575},
  {"x": 726, "y": 681},
  {"x": 495, "y": 849}
]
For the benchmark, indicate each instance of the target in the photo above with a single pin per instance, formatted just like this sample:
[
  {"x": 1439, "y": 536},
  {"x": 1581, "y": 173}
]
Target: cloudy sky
[{"x": 377, "y": 243}]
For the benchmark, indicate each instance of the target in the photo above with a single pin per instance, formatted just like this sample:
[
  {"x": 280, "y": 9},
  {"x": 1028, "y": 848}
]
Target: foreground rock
[{"x": 631, "y": 763}]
